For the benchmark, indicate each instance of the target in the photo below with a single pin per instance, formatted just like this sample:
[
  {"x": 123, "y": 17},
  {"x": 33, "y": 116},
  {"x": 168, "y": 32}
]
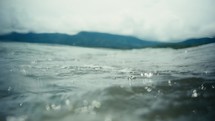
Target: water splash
[
  {"x": 194, "y": 94},
  {"x": 148, "y": 75}
]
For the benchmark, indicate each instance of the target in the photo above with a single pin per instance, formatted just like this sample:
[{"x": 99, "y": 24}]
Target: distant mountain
[
  {"x": 95, "y": 39},
  {"x": 188, "y": 43}
]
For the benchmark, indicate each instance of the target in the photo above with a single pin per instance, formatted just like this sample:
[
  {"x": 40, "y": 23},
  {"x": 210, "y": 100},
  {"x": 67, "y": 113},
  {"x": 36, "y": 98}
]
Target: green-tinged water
[{"x": 65, "y": 83}]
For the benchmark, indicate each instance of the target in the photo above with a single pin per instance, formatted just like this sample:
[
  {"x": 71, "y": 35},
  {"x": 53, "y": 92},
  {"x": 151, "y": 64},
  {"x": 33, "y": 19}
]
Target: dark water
[{"x": 62, "y": 83}]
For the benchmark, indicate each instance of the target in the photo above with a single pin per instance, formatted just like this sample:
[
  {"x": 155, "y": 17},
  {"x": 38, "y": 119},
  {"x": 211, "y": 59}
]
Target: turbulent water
[{"x": 64, "y": 83}]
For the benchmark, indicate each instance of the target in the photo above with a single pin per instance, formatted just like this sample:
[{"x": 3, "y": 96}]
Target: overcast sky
[{"x": 162, "y": 20}]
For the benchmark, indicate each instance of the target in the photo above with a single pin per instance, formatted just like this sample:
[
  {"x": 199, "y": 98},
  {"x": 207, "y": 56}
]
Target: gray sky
[{"x": 162, "y": 20}]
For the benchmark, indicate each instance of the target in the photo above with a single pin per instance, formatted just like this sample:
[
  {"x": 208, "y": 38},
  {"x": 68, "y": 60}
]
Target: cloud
[{"x": 162, "y": 20}]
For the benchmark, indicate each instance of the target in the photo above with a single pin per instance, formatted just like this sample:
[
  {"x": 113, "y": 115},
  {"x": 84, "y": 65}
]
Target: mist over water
[{"x": 65, "y": 83}]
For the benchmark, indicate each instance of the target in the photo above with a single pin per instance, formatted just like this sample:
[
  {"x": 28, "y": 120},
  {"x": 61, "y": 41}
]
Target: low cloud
[{"x": 161, "y": 20}]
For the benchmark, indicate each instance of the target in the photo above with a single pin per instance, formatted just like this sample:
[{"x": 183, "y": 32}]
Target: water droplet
[
  {"x": 24, "y": 72},
  {"x": 84, "y": 109},
  {"x": 131, "y": 77},
  {"x": 194, "y": 111},
  {"x": 148, "y": 89},
  {"x": 67, "y": 102},
  {"x": 213, "y": 86},
  {"x": 108, "y": 118},
  {"x": 9, "y": 89},
  {"x": 202, "y": 87},
  {"x": 148, "y": 75},
  {"x": 34, "y": 62},
  {"x": 96, "y": 104},
  {"x": 170, "y": 83},
  {"x": 194, "y": 94},
  {"x": 121, "y": 86},
  {"x": 20, "y": 118},
  {"x": 47, "y": 108},
  {"x": 56, "y": 107},
  {"x": 141, "y": 74},
  {"x": 130, "y": 83},
  {"x": 20, "y": 104}
]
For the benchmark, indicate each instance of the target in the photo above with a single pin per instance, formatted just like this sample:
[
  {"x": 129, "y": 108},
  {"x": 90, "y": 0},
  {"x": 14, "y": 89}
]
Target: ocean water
[{"x": 65, "y": 83}]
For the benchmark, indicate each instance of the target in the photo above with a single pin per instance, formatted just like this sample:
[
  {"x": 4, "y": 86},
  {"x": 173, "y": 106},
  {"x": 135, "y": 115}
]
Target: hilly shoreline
[{"x": 99, "y": 40}]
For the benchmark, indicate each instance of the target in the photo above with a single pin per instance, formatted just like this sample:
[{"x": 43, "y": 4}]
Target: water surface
[{"x": 64, "y": 83}]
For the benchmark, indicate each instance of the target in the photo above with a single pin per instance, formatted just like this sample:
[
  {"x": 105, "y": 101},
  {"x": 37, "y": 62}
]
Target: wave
[{"x": 43, "y": 82}]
